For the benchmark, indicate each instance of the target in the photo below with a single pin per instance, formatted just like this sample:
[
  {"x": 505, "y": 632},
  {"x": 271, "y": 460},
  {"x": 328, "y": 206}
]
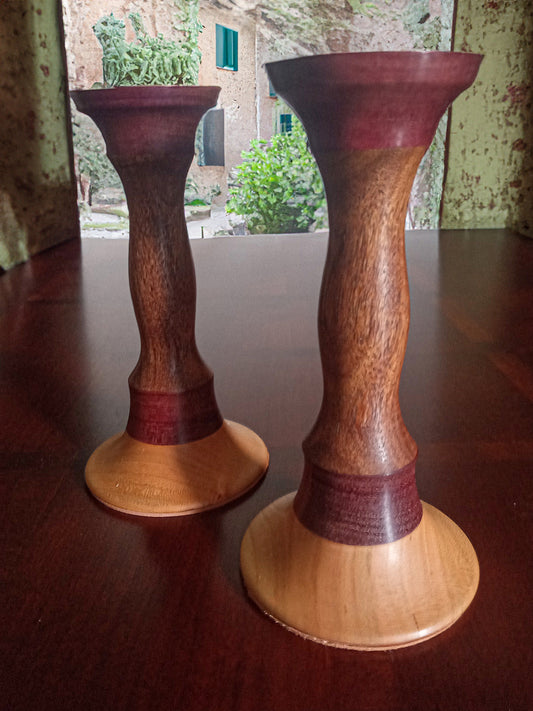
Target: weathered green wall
[
  {"x": 37, "y": 192},
  {"x": 490, "y": 165}
]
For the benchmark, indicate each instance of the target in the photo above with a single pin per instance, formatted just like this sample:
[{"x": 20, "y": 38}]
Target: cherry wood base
[
  {"x": 359, "y": 597},
  {"x": 175, "y": 480}
]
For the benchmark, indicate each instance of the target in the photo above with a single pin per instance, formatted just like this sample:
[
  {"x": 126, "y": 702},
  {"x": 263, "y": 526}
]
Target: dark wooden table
[{"x": 100, "y": 610}]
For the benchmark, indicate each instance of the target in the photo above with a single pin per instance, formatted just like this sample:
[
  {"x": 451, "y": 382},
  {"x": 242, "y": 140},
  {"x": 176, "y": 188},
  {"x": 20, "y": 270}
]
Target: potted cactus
[{"x": 150, "y": 60}]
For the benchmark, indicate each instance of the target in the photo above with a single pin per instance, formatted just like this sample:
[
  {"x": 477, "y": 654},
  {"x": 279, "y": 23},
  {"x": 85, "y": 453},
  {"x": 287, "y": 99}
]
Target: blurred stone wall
[{"x": 238, "y": 89}]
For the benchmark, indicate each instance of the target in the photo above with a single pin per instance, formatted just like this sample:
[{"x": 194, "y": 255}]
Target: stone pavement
[{"x": 108, "y": 222}]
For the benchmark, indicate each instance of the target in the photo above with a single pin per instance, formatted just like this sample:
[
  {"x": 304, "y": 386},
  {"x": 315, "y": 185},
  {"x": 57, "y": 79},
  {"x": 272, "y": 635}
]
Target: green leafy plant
[
  {"x": 150, "y": 60},
  {"x": 277, "y": 187}
]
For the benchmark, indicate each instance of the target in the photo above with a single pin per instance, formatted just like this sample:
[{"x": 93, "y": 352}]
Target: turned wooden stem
[
  {"x": 149, "y": 134},
  {"x": 355, "y": 559},
  {"x": 162, "y": 278},
  {"x": 359, "y": 478},
  {"x": 369, "y": 119},
  {"x": 364, "y": 313}
]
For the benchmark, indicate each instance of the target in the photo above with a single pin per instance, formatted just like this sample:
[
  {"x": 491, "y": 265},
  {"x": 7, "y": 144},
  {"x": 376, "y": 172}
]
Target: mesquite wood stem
[
  {"x": 364, "y": 313},
  {"x": 355, "y": 559},
  {"x": 178, "y": 455},
  {"x": 163, "y": 290},
  {"x": 149, "y": 134},
  {"x": 162, "y": 278}
]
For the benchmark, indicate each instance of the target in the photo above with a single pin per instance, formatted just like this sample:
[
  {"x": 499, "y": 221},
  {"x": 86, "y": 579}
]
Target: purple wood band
[
  {"x": 356, "y": 509},
  {"x": 173, "y": 418}
]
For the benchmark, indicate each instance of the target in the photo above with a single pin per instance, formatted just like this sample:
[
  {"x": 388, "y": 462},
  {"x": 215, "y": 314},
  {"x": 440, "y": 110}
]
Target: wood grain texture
[
  {"x": 363, "y": 314},
  {"x": 99, "y": 610},
  {"x": 173, "y": 418},
  {"x": 359, "y": 597},
  {"x": 349, "y": 508},
  {"x": 370, "y": 119},
  {"x": 165, "y": 480},
  {"x": 149, "y": 134},
  {"x": 415, "y": 88}
]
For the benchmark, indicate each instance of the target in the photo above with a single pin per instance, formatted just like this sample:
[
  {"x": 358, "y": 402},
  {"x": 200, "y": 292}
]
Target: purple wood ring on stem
[
  {"x": 356, "y": 509},
  {"x": 173, "y": 418}
]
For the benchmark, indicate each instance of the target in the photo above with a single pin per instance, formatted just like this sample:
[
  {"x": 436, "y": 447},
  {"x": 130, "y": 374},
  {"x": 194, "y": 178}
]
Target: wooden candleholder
[
  {"x": 177, "y": 455},
  {"x": 354, "y": 559}
]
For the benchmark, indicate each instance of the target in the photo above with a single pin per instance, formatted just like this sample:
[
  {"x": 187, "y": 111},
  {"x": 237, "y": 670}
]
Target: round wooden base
[
  {"x": 175, "y": 480},
  {"x": 359, "y": 597}
]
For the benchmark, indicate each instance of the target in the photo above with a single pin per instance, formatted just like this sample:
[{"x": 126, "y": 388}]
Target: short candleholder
[
  {"x": 177, "y": 456},
  {"x": 355, "y": 559}
]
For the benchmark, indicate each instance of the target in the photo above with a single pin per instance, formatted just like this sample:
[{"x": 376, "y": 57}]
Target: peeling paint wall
[
  {"x": 37, "y": 189},
  {"x": 490, "y": 166}
]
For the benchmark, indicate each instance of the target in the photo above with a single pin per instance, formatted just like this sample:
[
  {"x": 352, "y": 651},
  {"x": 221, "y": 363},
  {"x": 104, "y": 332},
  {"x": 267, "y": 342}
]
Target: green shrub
[
  {"x": 150, "y": 60},
  {"x": 277, "y": 187}
]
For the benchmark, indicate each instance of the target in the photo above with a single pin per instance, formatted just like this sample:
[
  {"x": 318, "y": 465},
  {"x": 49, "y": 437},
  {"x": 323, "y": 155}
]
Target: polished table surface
[{"x": 100, "y": 610}]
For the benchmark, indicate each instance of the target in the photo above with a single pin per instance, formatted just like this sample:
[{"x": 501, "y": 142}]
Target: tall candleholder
[
  {"x": 177, "y": 455},
  {"x": 355, "y": 559}
]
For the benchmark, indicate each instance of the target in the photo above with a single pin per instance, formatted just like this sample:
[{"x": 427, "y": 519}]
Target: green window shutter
[
  {"x": 220, "y": 34},
  {"x": 285, "y": 123},
  {"x": 235, "y": 50},
  {"x": 227, "y": 48}
]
